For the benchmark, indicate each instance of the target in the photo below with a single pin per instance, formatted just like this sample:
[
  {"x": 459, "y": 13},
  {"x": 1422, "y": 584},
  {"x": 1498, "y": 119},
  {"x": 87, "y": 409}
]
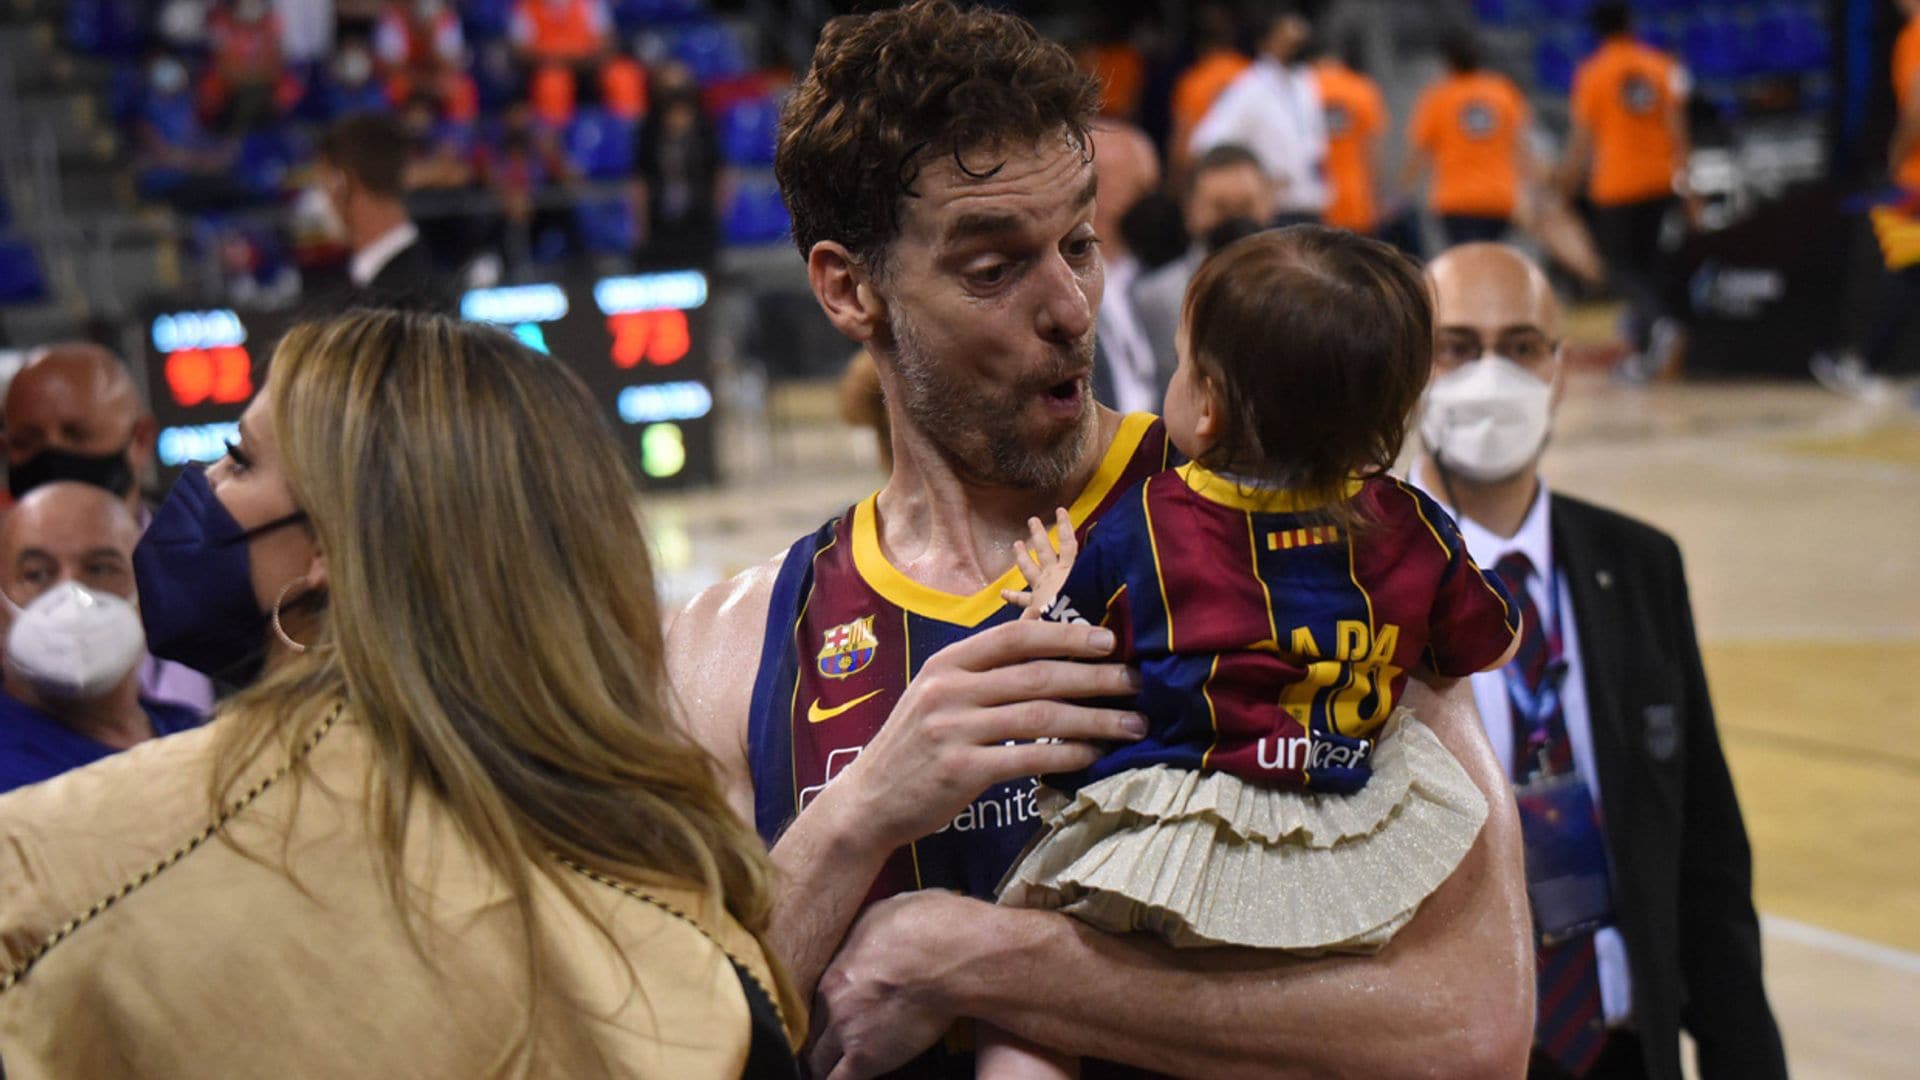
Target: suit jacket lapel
[{"x": 1596, "y": 611}]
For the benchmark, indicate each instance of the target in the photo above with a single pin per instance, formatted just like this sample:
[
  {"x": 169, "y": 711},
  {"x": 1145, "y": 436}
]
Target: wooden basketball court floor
[{"x": 1799, "y": 516}]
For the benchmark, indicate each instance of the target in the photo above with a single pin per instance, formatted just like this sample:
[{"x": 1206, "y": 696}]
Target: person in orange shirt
[
  {"x": 1471, "y": 130},
  {"x": 1217, "y": 62},
  {"x": 1629, "y": 140},
  {"x": 573, "y": 32},
  {"x": 1864, "y": 373},
  {"x": 1356, "y": 121}
]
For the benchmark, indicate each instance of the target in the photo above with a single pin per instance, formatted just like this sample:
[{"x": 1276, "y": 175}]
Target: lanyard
[{"x": 1537, "y": 706}]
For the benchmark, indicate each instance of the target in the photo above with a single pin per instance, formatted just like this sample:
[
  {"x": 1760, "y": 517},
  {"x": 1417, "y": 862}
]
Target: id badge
[{"x": 1566, "y": 858}]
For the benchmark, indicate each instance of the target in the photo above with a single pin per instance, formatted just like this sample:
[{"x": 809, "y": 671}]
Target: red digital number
[
  {"x": 658, "y": 337},
  {"x": 222, "y": 375}
]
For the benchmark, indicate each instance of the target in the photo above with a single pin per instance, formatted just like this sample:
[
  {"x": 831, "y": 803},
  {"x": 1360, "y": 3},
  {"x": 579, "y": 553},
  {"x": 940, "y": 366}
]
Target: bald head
[
  {"x": 1490, "y": 298},
  {"x": 1126, "y": 167},
  {"x": 65, "y": 531},
  {"x": 75, "y": 399}
]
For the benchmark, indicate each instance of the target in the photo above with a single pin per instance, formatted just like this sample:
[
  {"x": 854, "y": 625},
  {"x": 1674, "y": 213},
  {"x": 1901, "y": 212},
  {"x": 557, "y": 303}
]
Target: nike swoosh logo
[{"x": 815, "y": 714}]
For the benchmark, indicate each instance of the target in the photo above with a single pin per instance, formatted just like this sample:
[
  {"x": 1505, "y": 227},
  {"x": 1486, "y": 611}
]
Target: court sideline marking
[{"x": 1833, "y": 941}]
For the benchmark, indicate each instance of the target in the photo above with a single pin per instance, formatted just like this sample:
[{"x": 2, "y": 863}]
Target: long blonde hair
[{"x": 490, "y": 613}]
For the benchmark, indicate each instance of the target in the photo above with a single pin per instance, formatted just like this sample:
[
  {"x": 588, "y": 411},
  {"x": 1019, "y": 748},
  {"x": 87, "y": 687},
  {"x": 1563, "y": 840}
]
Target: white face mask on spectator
[
  {"x": 73, "y": 643},
  {"x": 1488, "y": 419}
]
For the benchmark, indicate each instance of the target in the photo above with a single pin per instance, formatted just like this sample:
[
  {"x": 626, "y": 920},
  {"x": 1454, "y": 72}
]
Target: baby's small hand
[{"x": 1045, "y": 569}]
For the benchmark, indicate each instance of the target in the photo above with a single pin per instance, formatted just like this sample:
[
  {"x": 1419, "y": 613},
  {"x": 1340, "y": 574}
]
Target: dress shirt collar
[{"x": 367, "y": 263}]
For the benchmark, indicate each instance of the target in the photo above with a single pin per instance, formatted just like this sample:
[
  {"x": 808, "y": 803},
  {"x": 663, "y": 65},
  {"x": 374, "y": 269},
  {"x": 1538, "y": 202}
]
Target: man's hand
[
  {"x": 969, "y": 721},
  {"x": 873, "y": 1011}
]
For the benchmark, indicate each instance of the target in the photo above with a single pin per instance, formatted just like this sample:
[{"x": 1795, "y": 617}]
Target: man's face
[
  {"x": 58, "y": 411},
  {"x": 1494, "y": 306},
  {"x": 1228, "y": 192},
  {"x": 991, "y": 289},
  {"x": 70, "y": 533},
  {"x": 1285, "y": 37}
]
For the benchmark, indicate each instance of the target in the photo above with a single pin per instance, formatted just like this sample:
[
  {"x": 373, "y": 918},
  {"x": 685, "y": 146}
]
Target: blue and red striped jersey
[
  {"x": 1270, "y": 643},
  {"x": 847, "y": 631}
]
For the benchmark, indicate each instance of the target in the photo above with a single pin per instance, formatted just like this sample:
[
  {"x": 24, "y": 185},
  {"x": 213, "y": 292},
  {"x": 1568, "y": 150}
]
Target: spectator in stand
[
  {"x": 527, "y": 161},
  {"x": 1116, "y": 63},
  {"x": 72, "y": 414},
  {"x": 174, "y": 155},
  {"x": 74, "y": 644},
  {"x": 352, "y": 87},
  {"x": 363, "y": 164},
  {"x": 1126, "y": 374},
  {"x": 623, "y": 85},
  {"x": 552, "y": 93},
  {"x": 1217, "y": 62},
  {"x": 1471, "y": 129},
  {"x": 1629, "y": 140},
  {"x": 571, "y": 33},
  {"x": 248, "y": 82},
  {"x": 1273, "y": 109},
  {"x": 422, "y": 50},
  {"x": 1356, "y": 117},
  {"x": 677, "y": 175},
  {"x": 1228, "y": 195},
  {"x": 306, "y": 30}
]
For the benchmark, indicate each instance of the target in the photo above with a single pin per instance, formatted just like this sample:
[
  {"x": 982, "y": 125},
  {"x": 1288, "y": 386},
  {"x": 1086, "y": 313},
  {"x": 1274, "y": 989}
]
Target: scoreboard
[{"x": 639, "y": 343}]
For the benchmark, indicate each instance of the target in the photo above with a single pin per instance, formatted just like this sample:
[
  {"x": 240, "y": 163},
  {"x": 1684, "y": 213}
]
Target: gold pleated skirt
[{"x": 1204, "y": 859}]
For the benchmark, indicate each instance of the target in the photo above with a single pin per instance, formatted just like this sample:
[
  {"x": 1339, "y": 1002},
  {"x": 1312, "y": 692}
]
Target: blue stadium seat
[
  {"x": 606, "y": 225},
  {"x": 1554, "y": 59},
  {"x": 710, "y": 51},
  {"x": 111, "y": 28},
  {"x": 1502, "y": 12},
  {"x": 485, "y": 20},
  {"x": 1562, "y": 9},
  {"x": 265, "y": 159},
  {"x": 1712, "y": 46},
  {"x": 20, "y": 277},
  {"x": 757, "y": 216},
  {"x": 632, "y": 15},
  {"x": 600, "y": 144},
  {"x": 748, "y": 131}
]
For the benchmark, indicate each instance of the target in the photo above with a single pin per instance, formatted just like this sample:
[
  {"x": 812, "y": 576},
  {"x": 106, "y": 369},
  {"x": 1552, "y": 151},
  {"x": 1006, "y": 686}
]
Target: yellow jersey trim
[
  {"x": 975, "y": 608},
  {"x": 1233, "y": 495}
]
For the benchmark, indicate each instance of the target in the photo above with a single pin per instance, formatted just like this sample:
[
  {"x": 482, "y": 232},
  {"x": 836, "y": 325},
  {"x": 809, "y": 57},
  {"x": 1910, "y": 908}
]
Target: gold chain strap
[
  {"x": 13, "y": 977},
  {"x": 637, "y": 894}
]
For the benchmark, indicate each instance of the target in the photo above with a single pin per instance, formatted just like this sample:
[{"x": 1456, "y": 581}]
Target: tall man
[
  {"x": 1629, "y": 138},
  {"x": 1645, "y": 924},
  {"x": 885, "y": 746},
  {"x": 1126, "y": 377},
  {"x": 72, "y": 413},
  {"x": 1227, "y": 195},
  {"x": 1274, "y": 109},
  {"x": 363, "y": 165},
  {"x": 1356, "y": 124},
  {"x": 1471, "y": 130}
]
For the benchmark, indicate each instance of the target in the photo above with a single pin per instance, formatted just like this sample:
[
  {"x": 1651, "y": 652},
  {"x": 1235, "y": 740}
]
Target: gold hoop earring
[{"x": 279, "y": 630}]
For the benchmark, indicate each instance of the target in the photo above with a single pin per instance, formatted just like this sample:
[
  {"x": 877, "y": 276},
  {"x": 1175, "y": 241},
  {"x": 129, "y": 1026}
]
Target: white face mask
[
  {"x": 1487, "y": 420},
  {"x": 73, "y": 643}
]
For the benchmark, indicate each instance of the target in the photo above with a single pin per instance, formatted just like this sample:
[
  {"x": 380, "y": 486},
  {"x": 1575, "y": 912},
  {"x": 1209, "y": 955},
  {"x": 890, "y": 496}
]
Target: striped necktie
[{"x": 1570, "y": 1027}]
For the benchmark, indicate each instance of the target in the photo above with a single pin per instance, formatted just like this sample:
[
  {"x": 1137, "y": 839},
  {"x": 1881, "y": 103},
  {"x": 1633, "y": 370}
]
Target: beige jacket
[{"x": 135, "y": 942}]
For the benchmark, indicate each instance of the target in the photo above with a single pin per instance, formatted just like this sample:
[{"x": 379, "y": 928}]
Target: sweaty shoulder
[{"x": 713, "y": 648}]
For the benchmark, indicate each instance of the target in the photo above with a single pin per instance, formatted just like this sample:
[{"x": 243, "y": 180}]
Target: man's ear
[
  {"x": 1559, "y": 380},
  {"x": 140, "y": 450},
  {"x": 845, "y": 292}
]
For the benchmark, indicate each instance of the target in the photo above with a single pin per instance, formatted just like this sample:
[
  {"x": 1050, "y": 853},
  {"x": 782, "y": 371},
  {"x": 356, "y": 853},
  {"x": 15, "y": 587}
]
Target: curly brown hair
[
  {"x": 891, "y": 90},
  {"x": 1320, "y": 342}
]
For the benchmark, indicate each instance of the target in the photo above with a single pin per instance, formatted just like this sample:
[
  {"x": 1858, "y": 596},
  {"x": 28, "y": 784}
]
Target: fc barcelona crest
[{"x": 847, "y": 648}]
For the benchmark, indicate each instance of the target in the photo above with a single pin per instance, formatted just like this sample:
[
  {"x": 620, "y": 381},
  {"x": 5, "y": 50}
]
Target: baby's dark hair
[{"x": 1319, "y": 343}]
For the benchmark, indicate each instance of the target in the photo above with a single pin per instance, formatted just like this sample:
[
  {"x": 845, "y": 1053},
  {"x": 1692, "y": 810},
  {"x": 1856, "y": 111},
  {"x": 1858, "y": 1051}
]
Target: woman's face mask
[
  {"x": 73, "y": 643},
  {"x": 195, "y": 579},
  {"x": 1487, "y": 420}
]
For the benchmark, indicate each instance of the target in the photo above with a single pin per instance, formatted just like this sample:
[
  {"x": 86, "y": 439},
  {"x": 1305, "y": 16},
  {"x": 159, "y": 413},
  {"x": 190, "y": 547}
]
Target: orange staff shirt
[
  {"x": 1356, "y": 115},
  {"x": 1623, "y": 94},
  {"x": 1906, "y": 71},
  {"x": 1470, "y": 126}
]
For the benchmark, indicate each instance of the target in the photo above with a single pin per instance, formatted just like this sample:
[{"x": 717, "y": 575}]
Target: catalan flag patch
[{"x": 1288, "y": 539}]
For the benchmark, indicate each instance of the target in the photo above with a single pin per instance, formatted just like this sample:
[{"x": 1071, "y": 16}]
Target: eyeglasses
[{"x": 1528, "y": 348}]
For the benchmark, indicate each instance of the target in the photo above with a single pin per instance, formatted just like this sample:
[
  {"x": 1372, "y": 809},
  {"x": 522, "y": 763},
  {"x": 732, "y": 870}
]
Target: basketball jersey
[
  {"x": 1271, "y": 644},
  {"x": 846, "y": 633}
]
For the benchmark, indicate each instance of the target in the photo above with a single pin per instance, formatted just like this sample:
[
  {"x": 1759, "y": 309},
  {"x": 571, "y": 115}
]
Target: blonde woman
[{"x": 453, "y": 829}]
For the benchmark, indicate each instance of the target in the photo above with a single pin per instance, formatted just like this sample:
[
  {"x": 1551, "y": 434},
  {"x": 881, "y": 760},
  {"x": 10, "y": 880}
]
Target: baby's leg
[{"x": 1003, "y": 1057}]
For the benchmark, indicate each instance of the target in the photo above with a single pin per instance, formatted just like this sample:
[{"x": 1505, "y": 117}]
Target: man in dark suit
[
  {"x": 1638, "y": 865},
  {"x": 363, "y": 164}
]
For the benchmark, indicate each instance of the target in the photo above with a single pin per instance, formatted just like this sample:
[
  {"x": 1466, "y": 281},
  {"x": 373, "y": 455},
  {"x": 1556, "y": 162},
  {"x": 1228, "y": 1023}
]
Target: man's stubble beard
[{"x": 978, "y": 432}]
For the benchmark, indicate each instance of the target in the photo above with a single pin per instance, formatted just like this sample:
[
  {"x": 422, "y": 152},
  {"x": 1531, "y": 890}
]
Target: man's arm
[
  {"x": 968, "y": 721},
  {"x": 1727, "y": 1012},
  {"x": 1451, "y": 995}
]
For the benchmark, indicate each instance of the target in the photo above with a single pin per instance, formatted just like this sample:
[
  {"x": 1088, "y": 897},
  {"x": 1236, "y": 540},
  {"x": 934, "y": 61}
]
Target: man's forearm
[{"x": 826, "y": 870}]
